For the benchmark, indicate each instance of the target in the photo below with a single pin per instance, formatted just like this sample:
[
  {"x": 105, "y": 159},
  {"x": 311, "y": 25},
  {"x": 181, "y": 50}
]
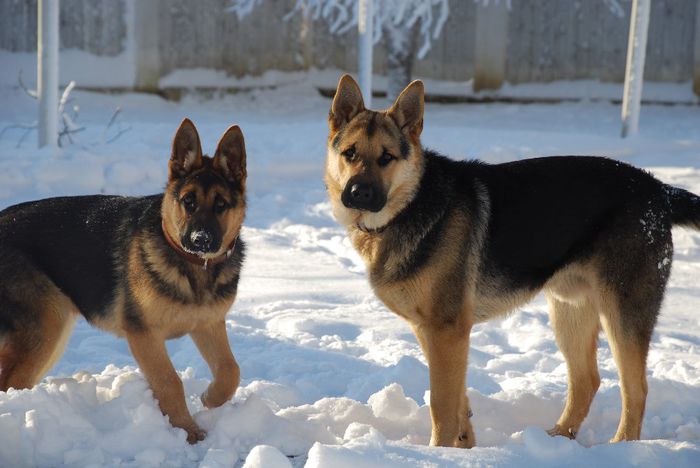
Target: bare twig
[
  {"x": 24, "y": 136},
  {"x": 119, "y": 133},
  {"x": 67, "y": 133},
  {"x": 68, "y": 115},
  {"x": 27, "y": 130},
  {"x": 112, "y": 120},
  {"x": 22, "y": 126},
  {"x": 30, "y": 92}
]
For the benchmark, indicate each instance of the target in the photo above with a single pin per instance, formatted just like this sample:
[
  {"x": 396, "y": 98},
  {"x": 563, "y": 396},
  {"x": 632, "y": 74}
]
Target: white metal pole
[
  {"x": 47, "y": 71},
  {"x": 365, "y": 29},
  {"x": 634, "y": 72}
]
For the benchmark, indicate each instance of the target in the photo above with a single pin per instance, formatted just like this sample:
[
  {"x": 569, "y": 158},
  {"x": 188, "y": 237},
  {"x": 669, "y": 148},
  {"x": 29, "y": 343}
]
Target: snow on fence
[{"x": 532, "y": 41}]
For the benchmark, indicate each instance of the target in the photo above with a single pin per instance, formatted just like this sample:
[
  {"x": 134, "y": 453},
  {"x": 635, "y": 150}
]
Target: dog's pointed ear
[
  {"x": 407, "y": 111},
  {"x": 347, "y": 103},
  {"x": 230, "y": 157},
  {"x": 187, "y": 151}
]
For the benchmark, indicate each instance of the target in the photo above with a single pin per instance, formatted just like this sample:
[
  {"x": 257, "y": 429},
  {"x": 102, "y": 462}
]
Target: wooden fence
[
  {"x": 533, "y": 41},
  {"x": 96, "y": 26}
]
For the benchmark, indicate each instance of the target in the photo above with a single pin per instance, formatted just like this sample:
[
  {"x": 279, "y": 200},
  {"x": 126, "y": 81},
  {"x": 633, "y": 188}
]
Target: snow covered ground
[{"x": 330, "y": 377}]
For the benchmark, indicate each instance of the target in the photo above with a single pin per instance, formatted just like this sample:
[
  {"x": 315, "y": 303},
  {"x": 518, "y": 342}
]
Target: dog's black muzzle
[
  {"x": 363, "y": 196},
  {"x": 202, "y": 238}
]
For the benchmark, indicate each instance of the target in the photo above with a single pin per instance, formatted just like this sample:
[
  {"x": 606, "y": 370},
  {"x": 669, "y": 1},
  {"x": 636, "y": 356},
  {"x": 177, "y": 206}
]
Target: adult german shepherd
[
  {"x": 148, "y": 269},
  {"x": 448, "y": 244}
]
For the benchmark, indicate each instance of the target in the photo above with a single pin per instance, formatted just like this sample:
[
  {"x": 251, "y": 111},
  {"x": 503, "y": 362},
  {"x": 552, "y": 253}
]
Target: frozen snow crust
[{"x": 331, "y": 378}]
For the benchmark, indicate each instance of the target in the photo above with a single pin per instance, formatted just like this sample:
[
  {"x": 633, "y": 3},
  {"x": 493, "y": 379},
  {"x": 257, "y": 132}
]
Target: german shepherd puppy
[
  {"x": 448, "y": 244},
  {"x": 147, "y": 269}
]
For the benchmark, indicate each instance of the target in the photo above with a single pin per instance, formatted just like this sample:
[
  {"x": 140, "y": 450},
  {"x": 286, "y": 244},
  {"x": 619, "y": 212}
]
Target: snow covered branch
[
  {"x": 615, "y": 8},
  {"x": 29, "y": 92},
  {"x": 242, "y": 8},
  {"x": 68, "y": 120},
  {"x": 68, "y": 112},
  {"x": 342, "y": 15}
]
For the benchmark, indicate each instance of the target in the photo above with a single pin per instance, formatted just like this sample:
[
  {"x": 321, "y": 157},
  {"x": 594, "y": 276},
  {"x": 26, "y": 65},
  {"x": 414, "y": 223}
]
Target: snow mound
[{"x": 266, "y": 456}]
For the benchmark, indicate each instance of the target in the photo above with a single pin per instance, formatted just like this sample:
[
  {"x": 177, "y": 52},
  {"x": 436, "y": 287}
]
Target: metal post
[
  {"x": 47, "y": 71},
  {"x": 634, "y": 73},
  {"x": 365, "y": 30},
  {"x": 696, "y": 67}
]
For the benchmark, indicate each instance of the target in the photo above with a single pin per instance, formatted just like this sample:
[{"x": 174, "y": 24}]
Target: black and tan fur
[
  {"x": 107, "y": 258},
  {"x": 448, "y": 244}
]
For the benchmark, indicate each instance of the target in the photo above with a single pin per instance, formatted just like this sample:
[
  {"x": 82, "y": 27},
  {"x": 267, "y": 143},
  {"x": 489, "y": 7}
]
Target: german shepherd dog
[
  {"x": 448, "y": 244},
  {"x": 147, "y": 269}
]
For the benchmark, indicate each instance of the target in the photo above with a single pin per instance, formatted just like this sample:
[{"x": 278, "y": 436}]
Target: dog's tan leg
[
  {"x": 630, "y": 353},
  {"x": 576, "y": 329},
  {"x": 446, "y": 350},
  {"x": 28, "y": 354},
  {"x": 212, "y": 342},
  {"x": 152, "y": 356},
  {"x": 8, "y": 357}
]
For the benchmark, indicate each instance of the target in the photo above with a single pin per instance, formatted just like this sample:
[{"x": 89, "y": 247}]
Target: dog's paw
[
  {"x": 557, "y": 430},
  {"x": 466, "y": 440},
  {"x": 466, "y": 437},
  {"x": 195, "y": 434}
]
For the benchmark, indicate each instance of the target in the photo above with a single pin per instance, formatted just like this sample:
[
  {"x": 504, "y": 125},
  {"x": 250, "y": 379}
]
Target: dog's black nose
[
  {"x": 201, "y": 240},
  {"x": 361, "y": 193},
  {"x": 363, "y": 196}
]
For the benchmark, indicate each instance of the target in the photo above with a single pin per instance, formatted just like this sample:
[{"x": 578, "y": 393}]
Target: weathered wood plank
[
  {"x": 146, "y": 32},
  {"x": 490, "y": 45},
  {"x": 696, "y": 61}
]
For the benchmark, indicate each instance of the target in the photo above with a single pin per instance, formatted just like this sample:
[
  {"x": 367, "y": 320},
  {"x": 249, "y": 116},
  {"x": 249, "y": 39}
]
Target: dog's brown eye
[
  {"x": 219, "y": 204},
  {"x": 385, "y": 159},
  {"x": 349, "y": 154},
  {"x": 189, "y": 202}
]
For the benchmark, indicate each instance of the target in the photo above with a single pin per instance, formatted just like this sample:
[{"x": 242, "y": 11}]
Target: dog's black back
[
  {"x": 548, "y": 212},
  {"x": 78, "y": 241}
]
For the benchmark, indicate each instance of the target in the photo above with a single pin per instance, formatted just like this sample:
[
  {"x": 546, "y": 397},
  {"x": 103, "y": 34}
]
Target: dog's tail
[{"x": 685, "y": 207}]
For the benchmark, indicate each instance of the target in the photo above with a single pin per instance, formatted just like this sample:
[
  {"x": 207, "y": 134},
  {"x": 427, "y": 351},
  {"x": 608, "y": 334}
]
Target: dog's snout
[
  {"x": 201, "y": 239},
  {"x": 362, "y": 193}
]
